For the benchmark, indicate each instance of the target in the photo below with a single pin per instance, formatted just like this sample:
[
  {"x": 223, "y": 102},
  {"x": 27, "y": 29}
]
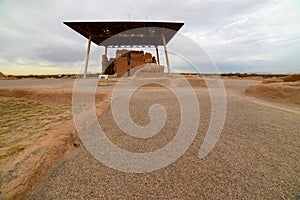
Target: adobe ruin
[{"x": 125, "y": 61}]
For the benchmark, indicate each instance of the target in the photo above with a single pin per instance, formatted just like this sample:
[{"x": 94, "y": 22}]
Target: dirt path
[{"x": 256, "y": 157}]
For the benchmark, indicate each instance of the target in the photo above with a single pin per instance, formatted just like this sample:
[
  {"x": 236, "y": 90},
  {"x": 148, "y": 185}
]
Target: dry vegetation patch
[{"x": 23, "y": 122}]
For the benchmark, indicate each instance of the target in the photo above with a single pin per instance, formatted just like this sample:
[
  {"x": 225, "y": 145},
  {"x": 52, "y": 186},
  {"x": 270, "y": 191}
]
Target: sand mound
[
  {"x": 272, "y": 80},
  {"x": 197, "y": 82},
  {"x": 285, "y": 92},
  {"x": 230, "y": 77},
  {"x": 291, "y": 78},
  {"x": 44, "y": 96},
  {"x": 3, "y": 77},
  {"x": 194, "y": 81}
]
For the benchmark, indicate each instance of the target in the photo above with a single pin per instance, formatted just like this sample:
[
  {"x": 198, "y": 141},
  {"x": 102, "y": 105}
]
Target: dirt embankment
[
  {"x": 3, "y": 76},
  {"x": 285, "y": 89},
  {"x": 197, "y": 82},
  {"x": 22, "y": 170},
  {"x": 289, "y": 78},
  {"x": 44, "y": 96}
]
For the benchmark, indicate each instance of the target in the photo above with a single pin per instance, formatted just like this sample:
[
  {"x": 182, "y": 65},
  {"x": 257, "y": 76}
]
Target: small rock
[{"x": 76, "y": 143}]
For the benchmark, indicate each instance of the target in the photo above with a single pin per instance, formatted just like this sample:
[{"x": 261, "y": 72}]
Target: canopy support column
[
  {"x": 105, "y": 50},
  {"x": 87, "y": 56},
  {"x": 157, "y": 55},
  {"x": 166, "y": 52}
]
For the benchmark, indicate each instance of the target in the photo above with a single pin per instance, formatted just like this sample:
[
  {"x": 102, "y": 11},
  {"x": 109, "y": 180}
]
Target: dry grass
[{"x": 23, "y": 122}]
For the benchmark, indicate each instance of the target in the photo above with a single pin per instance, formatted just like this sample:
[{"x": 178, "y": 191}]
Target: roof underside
[{"x": 115, "y": 34}]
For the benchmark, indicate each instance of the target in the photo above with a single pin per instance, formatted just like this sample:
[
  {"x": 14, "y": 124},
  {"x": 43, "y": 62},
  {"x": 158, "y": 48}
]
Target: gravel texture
[{"x": 256, "y": 157}]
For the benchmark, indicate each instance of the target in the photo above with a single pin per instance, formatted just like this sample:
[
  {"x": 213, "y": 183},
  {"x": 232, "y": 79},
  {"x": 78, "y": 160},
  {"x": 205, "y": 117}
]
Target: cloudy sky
[{"x": 239, "y": 36}]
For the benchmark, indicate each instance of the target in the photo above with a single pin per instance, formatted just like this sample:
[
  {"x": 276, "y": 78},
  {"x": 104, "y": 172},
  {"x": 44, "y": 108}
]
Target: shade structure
[
  {"x": 126, "y": 33},
  {"x": 143, "y": 33}
]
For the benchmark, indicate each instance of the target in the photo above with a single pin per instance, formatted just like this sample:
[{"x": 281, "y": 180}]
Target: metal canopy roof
[{"x": 132, "y": 33}]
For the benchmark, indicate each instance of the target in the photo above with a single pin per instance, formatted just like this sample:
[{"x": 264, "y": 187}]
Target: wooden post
[
  {"x": 166, "y": 53},
  {"x": 87, "y": 57},
  {"x": 157, "y": 55}
]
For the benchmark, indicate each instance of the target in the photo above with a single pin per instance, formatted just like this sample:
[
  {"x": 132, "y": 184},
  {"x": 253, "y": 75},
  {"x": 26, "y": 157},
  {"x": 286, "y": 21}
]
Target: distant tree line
[
  {"x": 241, "y": 75},
  {"x": 43, "y": 76}
]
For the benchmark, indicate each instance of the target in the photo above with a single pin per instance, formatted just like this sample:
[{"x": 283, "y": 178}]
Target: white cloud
[{"x": 260, "y": 35}]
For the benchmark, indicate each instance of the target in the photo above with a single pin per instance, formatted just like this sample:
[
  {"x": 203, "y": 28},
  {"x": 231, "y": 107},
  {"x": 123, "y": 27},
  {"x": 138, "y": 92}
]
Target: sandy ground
[
  {"x": 256, "y": 157},
  {"x": 38, "y": 83},
  {"x": 35, "y": 130},
  {"x": 286, "y": 92},
  {"x": 284, "y": 89}
]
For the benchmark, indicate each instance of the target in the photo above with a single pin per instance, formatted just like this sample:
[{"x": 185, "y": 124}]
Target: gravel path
[{"x": 256, "y": 157}]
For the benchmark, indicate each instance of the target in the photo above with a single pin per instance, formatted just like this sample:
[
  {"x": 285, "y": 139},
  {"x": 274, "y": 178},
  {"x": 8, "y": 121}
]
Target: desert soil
[
  {"x": 36, "y": 128},
  {"x": 24, "y": 121},
  {"x": 256, "y": 157}
]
